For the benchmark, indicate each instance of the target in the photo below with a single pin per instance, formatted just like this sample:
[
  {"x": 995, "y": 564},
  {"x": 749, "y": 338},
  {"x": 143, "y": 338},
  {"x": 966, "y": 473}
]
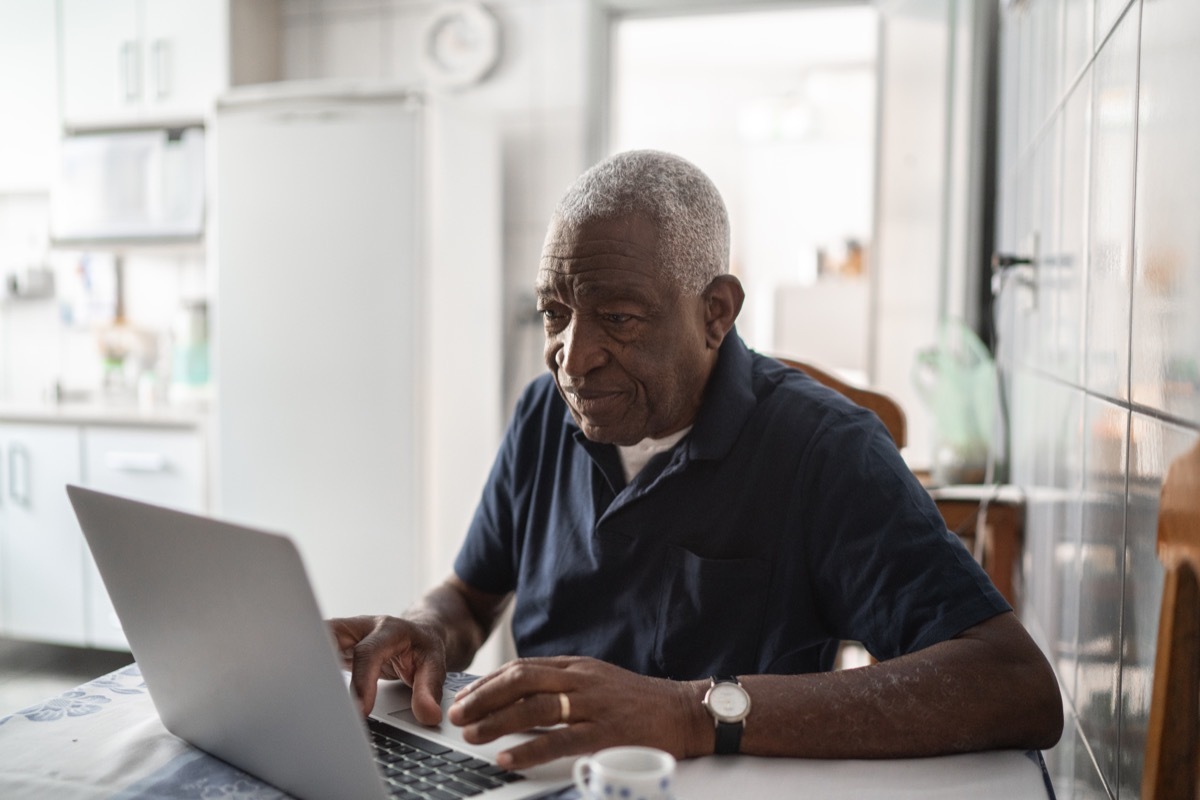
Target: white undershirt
[{"x": 635, "y": 456}]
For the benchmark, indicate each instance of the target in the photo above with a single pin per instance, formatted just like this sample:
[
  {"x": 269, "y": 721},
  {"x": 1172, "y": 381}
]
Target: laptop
[{"x": 238, "y": 661}]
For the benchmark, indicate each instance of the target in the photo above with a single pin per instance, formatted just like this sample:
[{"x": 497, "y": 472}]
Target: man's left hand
[{"x": 606, "y": 706}]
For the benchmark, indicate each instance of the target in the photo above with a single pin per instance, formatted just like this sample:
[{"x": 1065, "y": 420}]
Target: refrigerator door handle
[{"x": 18, "y": 474}]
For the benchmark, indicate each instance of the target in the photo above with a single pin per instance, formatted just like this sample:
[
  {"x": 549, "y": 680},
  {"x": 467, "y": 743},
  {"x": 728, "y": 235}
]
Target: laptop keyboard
[{"x": 416, "y": 768}]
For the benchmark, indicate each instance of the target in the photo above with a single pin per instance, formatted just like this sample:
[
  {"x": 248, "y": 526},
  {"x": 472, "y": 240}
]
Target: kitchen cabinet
[
  {"x": 132, "y": 59},
  {"x": 158, "y": 466},
  {"x": 149, "y": 62},
  {"x": 41, "y": 549},
  {"x": 50, "y": 589}
]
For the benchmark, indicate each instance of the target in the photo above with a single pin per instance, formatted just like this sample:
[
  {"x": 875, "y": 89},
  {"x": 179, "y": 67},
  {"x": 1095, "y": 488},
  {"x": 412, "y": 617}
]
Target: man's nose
[{"x": 582, "y": 349}]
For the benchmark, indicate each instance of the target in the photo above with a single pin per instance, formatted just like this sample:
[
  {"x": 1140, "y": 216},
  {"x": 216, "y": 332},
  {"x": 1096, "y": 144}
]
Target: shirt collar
[{"x": 728, "y": 401}]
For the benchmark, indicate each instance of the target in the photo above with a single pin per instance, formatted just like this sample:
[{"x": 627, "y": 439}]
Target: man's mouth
[{"x": 590, "y": 400}]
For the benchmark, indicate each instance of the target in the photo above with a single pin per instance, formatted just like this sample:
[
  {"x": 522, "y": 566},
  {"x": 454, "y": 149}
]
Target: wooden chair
[
  {"x": 1170, "y": 771},
  {"x": 887, "y": 409}
]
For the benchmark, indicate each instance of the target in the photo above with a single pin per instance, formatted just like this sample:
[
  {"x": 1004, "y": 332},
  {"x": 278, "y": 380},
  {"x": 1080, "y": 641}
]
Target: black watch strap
[
  {"x": 729, "y": 734},
  {"x": 729, "y": 738}
]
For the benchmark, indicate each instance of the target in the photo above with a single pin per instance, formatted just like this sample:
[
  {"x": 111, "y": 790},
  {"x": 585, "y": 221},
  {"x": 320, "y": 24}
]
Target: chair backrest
[
  {"x": 1173, "y": 738},
  {"x": 887, "y": 409}
]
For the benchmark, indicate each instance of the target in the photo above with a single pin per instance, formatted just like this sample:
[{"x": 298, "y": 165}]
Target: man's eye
[
  {"x": 550, "y": 314},
  {"x": 618, "y": 319}
]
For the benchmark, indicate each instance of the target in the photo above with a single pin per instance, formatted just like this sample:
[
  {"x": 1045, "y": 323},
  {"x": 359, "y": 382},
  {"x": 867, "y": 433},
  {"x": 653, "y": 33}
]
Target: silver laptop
[{"x": 238, "y": 661}]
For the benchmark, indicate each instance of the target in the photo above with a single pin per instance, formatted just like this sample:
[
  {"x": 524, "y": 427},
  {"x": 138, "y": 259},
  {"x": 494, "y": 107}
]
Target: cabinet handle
[
  {"x": 161, "y": 53},
  {"x": 142, "y": 463},
  {"x": 18, "y": 474},
  {"x": 131, "y": 70}
]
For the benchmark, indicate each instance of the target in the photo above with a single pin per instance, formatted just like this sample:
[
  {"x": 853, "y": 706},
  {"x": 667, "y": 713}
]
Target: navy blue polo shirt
[{"x": 785, "y": 521}]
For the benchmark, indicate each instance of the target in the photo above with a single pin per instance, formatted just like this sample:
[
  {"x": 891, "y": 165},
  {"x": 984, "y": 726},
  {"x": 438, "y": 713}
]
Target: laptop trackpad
[{"x": 392, "y": 697}]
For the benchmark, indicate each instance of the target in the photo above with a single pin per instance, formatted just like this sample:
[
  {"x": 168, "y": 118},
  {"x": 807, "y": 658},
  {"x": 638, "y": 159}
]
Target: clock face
[
  {"x": 461, "y": 44},
  {"x": 728, "y": 701}
]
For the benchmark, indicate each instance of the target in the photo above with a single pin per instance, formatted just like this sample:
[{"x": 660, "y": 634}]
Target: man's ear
[{"x": 722, "y": 303}]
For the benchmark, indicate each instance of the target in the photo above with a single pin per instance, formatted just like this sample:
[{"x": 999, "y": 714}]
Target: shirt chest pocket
[{"x": 710, "y": 617}]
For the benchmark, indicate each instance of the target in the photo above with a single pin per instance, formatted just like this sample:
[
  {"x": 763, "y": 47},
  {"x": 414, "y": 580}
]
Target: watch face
[{"x": 728, "y": 702}]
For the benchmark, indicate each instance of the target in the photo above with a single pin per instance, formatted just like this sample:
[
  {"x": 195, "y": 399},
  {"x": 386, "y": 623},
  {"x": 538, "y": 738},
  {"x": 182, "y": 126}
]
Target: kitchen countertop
[{"x": 131, "y": 415}]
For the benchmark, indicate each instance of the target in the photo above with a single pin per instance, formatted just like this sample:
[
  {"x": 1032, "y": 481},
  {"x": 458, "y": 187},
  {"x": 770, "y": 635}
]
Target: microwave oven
[{"x": 129, "y": 186}]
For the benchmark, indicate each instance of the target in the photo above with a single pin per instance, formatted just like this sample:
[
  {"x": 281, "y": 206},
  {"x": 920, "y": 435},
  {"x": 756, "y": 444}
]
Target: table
[{"x": 104, "y": 740}]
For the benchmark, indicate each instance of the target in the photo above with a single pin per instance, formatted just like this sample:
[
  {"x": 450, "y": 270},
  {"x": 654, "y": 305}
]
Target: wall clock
[{"x": 460, "y": 44}]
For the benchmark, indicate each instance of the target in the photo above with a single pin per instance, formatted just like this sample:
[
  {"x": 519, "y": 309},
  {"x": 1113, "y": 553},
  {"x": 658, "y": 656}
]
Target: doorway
[{"x": 778, "y": 106}]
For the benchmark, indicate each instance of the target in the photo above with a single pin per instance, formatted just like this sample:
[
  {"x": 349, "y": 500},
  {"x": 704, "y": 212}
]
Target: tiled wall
[{"x": 1100, "y": 341}]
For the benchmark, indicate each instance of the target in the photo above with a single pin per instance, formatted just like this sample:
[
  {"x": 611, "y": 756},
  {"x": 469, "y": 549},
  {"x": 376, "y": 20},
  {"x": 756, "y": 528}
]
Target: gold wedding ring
[{"x": 564, "y": 706}]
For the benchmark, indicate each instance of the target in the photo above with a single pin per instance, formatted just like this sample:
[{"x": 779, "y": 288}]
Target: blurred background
[{"x": 273, "y": 260}]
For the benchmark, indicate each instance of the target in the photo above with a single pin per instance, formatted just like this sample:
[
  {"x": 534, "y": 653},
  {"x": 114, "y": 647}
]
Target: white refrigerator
[{"x": 356, "y": 330}]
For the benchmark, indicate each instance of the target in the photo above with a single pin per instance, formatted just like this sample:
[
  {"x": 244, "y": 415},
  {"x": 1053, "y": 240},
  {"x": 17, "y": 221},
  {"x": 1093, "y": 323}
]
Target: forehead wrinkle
[
  {"x": 591, "y": 290},
  {"x": 580, "y": 273},
  {"x": 577, "y": 265},
  {"x": 589, "y": 286}
]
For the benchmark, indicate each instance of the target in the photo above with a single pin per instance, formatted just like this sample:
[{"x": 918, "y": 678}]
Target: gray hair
[{"x": 685, "y": 206}]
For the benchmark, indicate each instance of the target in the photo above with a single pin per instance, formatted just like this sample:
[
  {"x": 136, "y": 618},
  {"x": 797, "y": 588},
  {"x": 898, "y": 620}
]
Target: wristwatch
[{"x": 728, "y": 703}]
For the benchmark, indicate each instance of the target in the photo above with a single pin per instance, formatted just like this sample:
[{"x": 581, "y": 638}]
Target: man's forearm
[
  {"x": 969, "y": 693},
  {"x": 465, "y": 616}
]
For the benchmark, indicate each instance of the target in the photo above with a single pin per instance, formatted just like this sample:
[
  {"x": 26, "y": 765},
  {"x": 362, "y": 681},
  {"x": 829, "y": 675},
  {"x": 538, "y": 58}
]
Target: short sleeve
[
  {"x": 488, "y": 557},
  {"x": 888, "y": 573}
]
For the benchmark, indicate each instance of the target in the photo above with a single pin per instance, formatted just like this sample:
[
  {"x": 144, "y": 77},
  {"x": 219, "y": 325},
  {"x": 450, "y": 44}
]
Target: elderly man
[{"x": 689, "y": 528}]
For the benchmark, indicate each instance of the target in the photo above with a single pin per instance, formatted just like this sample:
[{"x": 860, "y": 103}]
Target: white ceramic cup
[{"x": 626, "y": 773}]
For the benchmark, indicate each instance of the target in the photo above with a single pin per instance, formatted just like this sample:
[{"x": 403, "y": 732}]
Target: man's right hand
[{"x": 396, "y": 649}]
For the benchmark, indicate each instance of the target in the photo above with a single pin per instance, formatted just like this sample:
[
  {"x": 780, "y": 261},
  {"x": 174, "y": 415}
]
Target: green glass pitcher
[{"x": 956, "y": 379}]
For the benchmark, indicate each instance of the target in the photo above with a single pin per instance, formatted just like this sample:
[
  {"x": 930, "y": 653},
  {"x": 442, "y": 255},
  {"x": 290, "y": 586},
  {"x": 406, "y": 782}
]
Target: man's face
[{"x": 627, "y": 348}]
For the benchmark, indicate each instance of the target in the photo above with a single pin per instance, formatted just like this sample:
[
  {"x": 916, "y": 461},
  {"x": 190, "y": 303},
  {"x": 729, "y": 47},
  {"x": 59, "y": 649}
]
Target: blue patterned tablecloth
[{"x": 104, "y": 740}]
